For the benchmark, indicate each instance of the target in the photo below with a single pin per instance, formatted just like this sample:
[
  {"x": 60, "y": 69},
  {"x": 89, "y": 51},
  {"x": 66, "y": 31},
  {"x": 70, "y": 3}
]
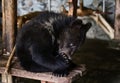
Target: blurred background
[{"x": 100, "y": 53}]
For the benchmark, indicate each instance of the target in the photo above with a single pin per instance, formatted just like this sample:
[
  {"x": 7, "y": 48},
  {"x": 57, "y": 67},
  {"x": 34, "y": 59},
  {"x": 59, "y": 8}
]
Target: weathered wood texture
[
  {"x": 117, "y": 20},
  {"x": 9, "y": 23},
  {"x": 43, "y": 82},
  {"x": 6, "y": 78},
  {"x": 18, "y": 71}
]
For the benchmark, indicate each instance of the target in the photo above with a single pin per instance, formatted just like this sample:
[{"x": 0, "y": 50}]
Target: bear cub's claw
[{"x": 61, "y": 73}]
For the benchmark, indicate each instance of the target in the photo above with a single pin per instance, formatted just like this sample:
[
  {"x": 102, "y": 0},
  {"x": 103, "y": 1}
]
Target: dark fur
[{"x": 42, "y": 42}]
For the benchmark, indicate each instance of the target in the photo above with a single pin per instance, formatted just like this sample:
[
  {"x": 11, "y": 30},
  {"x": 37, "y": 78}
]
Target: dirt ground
[{"x": 102, "y": 59}]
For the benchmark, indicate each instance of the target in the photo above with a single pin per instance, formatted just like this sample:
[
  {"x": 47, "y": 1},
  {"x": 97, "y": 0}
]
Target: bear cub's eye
[{"x": 72, "y": 45}]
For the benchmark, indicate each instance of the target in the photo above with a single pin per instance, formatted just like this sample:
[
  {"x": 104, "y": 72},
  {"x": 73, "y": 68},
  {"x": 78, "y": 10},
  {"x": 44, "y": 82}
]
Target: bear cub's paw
[{"x": 61, "y": 73}]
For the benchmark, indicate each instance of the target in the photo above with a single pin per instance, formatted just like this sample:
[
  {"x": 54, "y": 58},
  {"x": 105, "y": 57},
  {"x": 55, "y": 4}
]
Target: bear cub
[{"x": 46, "y": 43}]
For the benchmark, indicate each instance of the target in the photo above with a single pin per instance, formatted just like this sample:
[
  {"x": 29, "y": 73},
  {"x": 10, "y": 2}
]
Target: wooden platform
[{"x": 18, "y": 71}]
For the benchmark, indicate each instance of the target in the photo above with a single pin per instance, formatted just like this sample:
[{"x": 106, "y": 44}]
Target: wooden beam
[
  {"x": 17, "y": 70},
  {"x": 117, "y": 20},
  {"x": 9, "y": 29}
]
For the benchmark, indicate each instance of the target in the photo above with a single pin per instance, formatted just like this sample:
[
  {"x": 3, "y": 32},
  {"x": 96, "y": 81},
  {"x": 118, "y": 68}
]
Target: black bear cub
[{"x": 46, "y": 43}]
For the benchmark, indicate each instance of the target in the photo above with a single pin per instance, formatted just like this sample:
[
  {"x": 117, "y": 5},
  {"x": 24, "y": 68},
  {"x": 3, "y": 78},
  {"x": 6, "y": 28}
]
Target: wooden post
[
  {"x": 6, "y": 78},
  {"x": 117, "y": 20},
  {"x": 9, "y": 28},
  {"x": 74, "y": 8}
]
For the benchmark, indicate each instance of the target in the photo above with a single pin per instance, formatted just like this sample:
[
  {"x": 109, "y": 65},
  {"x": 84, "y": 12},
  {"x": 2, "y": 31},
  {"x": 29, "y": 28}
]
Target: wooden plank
[
  {"x": 42, "y": 76},
  {"x": 18, "y": 71},
  {"x": 117, "y": 20},
  {"x": 6, "y": 78},
  {"x": 9, "y": 13},
  {"x": 10, "y": 78},
  {"x": 36, "y": 76}
]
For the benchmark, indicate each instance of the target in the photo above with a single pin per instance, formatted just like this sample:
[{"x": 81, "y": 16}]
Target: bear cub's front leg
[{"x": 67, "y": 66}]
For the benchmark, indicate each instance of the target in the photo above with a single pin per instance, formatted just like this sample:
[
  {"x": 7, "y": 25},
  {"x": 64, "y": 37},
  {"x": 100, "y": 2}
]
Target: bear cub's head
[{"x": 73, "y": 37}]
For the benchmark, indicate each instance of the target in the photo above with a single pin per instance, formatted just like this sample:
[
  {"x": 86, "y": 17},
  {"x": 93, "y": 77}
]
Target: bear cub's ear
[
  {"x": 86, "y": 26},
  {"x": 76, "y": 22}
]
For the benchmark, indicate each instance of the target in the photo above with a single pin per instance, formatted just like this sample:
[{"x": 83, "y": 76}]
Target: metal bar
[
  {"x": 103, "y": 6},
  {"x": 49, "y": 5}
]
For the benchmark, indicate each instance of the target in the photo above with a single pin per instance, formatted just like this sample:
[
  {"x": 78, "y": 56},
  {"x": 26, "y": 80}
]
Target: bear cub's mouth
[{"x": 65, "y": 56}]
